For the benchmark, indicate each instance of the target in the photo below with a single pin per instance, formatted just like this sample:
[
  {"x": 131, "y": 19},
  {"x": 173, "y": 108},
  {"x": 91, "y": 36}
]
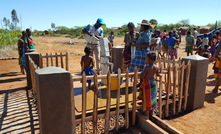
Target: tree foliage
[{"x": 15, "y": 19}]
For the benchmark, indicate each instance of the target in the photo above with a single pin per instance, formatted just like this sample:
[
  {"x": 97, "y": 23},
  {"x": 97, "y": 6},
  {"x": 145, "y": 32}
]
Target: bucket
[{"x": 113, "y": 85}]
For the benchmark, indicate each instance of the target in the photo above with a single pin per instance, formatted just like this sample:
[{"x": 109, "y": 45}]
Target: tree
[
  {"x": 53, "y": 26},
  {"x": 7, "y": 22},
  {"x": 15, "y": 19},
  {"x": 184, "y": 22},
  {"x": 154, "y": 22}
]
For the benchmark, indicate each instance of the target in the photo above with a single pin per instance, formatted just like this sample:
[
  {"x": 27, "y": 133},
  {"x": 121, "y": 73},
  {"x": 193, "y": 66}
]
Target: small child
[
  {"x": 87, "y": 64},
  {"x": 164, "y": 46},
  {"x": 213, "y": 44},
  {"x": 198, "y": 45},
  {"x": 149, "y": 84}
]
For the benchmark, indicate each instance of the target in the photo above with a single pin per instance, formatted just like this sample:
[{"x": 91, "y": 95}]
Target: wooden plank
[
  {"x": 62, "y": 64},
  {"x": 118, "y": 99},
  {"x": 164, "y": 125},
  {"x": 78, "y": 78},
  {"x": 47, "y": 60},
  {"x": 51, "y": 60},
  {"x": 160, "y": 94},
  {"x": 108, "y": 96},
  {"x": 41, "y": 61},
  {"x": 181, "y": 88},
  {"x": 187, "y": 84},
  {"x": 67, "y": 64},
  {"x": 174, "y": 89},
  {"x": 95, "y": 109},
  {"x": 49, "y": 56},
  {"x": 56, "y": 58},
  {"x": 168, "y": 92},
  {"x": 83, "y": 103},
  {"x": 126, "y": 101},
  {"x": 134, "y": 97}
]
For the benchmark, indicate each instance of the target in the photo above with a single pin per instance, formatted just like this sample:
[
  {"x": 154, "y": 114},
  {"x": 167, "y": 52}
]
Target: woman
[
  {"x": 141, "y": 45},
  {"x": 129, "y": 37},
  {"x": 31, "y": 44},
  {"x": 22, "y": 48}
]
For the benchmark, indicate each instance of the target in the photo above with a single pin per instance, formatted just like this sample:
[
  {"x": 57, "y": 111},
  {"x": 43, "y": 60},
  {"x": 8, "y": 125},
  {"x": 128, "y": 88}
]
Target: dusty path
[{"x": 18, "y": 116}]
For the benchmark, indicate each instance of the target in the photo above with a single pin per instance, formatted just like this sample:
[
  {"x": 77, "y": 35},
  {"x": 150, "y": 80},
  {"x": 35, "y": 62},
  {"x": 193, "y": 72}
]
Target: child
[
  {"x": 172, "y": 50},
  {"x": 205, "y": 41},
  {"x": 189, "y": 43},
  {"x": 198, "y": 45},
  {"x": 213, "y": 44},
  {"x": 87, "y": 64},
  {"x": 149, "y": 84},
  {"x": 164, "y": 46}
]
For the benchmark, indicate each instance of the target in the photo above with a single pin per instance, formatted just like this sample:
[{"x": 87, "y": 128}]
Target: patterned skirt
[
  {"x": 150, "y": 93},
  {"x": 217, "y": 68},
  {"x": 172, "y": 51},
  {"x": 138, "y": 61}
]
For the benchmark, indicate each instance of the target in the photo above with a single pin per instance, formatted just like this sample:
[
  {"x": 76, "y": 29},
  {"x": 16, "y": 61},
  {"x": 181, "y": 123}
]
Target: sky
[{"x": 39, "y": 14}]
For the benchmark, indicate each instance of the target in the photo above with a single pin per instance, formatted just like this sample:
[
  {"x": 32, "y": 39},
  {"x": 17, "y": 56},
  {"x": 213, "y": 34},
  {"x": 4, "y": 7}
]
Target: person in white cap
[{"x": 93, "y": 33}]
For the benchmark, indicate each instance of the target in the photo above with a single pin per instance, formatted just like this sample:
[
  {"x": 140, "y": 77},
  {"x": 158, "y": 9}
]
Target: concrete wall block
[{"x": 54, "y": 86}]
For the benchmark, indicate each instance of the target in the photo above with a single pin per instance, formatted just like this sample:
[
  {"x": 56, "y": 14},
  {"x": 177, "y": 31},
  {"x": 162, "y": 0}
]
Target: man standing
[
  {"x": 195, "y": 33},
  {"x": 94, "y": 33}
]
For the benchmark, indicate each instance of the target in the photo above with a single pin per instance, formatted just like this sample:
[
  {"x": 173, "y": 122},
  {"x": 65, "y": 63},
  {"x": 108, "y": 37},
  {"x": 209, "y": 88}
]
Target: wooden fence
[
  {"x": 58, "y": 60},
  {"x": 32, "y": 67},
  {"x": 172, "y": 96}
]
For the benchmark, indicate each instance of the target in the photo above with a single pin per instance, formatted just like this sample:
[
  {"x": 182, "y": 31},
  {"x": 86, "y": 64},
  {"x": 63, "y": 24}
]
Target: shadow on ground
[{"x": 18, "y": 112}]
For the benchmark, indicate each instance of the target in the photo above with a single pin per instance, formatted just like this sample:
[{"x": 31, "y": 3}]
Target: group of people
[
  {"x": 25, "y": 44},
  {"x": 142, "y": 49},
  {"x": 142, "y": 59}
]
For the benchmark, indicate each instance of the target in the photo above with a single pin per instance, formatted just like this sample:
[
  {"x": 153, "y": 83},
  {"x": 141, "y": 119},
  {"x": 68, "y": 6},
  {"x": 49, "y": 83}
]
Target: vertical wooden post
[
  {"x": 83, "y": 103},
  {"x": 95, "y": 104},
  {"x": 73, "y": 107},
  {"x": 51, "y": 60},
  {"x": 118, "y": 98},
  {"x": 47, "y": 61},
  {"x": 126, "y": 100},
  {"x": 168, "y": 92},
  {"x": 134, "y": 96},
  {"x": 187, "y": 84},
  {"x": 160, "y": 94},
  {"x": 174, "y": 89},
  {"x": 56, "y": 58},
  {"x": 41, "y": 61},
  {"x": 181, "y": 88},
  {"x": 62, "y": 64},
  {"x": 107, "y": 112},
  {"x": 67, "y": 64}
]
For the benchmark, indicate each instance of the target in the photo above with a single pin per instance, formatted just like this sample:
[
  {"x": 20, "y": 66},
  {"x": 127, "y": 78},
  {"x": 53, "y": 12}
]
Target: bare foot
[{"x": 213, "y": 90}]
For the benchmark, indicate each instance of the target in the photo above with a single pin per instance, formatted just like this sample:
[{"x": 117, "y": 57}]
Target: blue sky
[{"x": 39, "y": 14}]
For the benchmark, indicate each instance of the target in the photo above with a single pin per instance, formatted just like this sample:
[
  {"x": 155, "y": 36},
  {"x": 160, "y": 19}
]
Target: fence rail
[{"x": 58, "y": 60}]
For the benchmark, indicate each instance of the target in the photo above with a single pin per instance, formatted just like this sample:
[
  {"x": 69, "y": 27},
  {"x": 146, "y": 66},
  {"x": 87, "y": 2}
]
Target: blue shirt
[
  {"x": 171, "y": 41},
  {"x": 145, "y": 37}
]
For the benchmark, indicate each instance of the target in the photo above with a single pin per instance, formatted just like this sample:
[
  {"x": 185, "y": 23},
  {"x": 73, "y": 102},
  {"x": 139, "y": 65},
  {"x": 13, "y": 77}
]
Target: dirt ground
[{"x": 12, "y": 84}]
